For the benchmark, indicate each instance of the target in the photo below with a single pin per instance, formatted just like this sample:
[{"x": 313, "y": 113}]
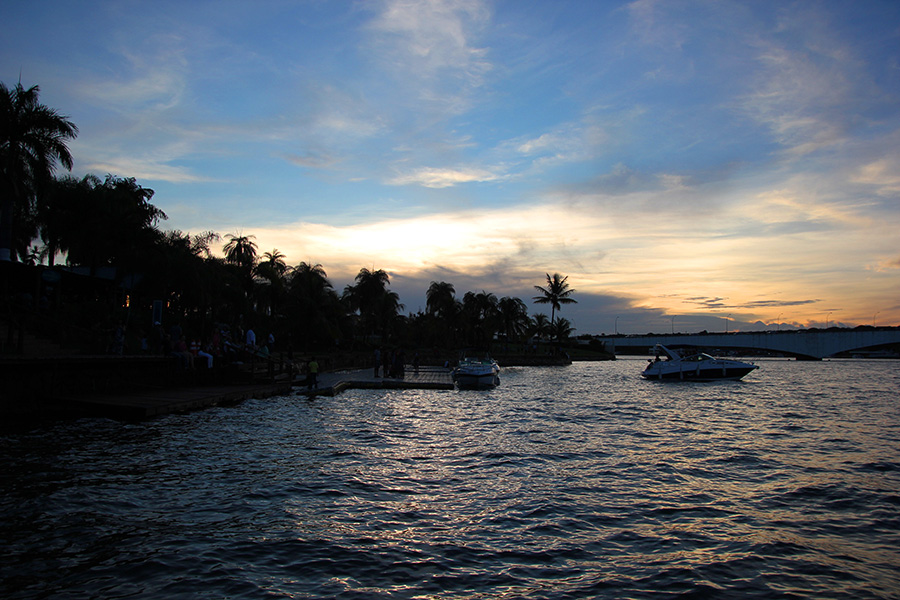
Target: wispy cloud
[
  {"x": 442, "y": 178},
  {"x": 883, "y": 173},
  {"x": 888, "y": 264},
  {"x": 311, "y": 160},
  {"x": 805, "y": 89},
  {"x": 149, "y": 78},
  {"x": 431, "y": 44},
  {"x": 146, "y": 170}
]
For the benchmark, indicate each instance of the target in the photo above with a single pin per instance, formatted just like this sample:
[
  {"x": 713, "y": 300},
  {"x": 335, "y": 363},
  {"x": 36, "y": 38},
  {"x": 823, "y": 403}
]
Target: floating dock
[
  {"x": 333, "y": 383},
  {"x": 147, "y": 403}
]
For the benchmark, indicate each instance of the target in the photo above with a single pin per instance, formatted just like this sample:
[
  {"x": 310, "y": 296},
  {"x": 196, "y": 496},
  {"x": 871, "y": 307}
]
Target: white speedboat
[
  {"x": 476, "y": 372},
  {"x": 693, "y": 365}
]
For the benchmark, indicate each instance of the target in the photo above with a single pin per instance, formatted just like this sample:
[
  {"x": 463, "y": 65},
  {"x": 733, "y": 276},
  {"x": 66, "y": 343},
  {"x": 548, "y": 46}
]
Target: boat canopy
[{"x": 688, "y": 355}]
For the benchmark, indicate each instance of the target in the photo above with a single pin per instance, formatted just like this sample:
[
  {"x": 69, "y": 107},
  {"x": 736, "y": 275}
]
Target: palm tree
[
  {"x": 561, "y": 329},
  {"x": 275, "y": 261},
  {"x": 33, "y": 139},
  {"x": 366, "y": 297},
  {"x": 387, "y": 312},
  {"x": 201, "y": 243},
  {"x": 312, "y": 278},
  {"x": 540, "y": 326},
  {"x": 110, "y": 223},
  {"x": 240, "y": 250},
  {"x": 130, "y": 222},
  {"x": 55, "y": 210},
  {"x": 177, "y": 272},
  {"x": 482, "y": 306},
  {"x": 514, "y": 316},
  {"x": 442, "y": 314},
  {"x": 555, "y": 294},
  {"x": 270, "y": 282},
  {"x": 439, "y": 299},
  {"x": 240, "y": 257},
  {"x": 480, "y": 313},
  {"x": 313, "y": 305}
]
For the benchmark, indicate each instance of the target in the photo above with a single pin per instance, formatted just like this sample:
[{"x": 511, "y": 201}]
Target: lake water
[{"x": 568, "y": 482}]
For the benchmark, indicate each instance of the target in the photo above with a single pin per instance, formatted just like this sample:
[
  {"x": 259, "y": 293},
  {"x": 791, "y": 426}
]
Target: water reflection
[{"x": 579, "y": 482}]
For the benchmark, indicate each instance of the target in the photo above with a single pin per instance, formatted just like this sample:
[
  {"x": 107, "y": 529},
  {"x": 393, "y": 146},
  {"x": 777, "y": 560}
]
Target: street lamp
[
  {"x": 673, "y": 324},
  {"x": 617, "y": 326},
  {"x": 778, "y": 322},
  {"x": 726, "y": 323},
  {"x": 873, "y": 318},
  {"x": 826, "y": 320}
]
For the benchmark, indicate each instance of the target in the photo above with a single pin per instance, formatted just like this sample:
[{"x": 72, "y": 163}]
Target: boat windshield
[{"x": 471, "y": 356}]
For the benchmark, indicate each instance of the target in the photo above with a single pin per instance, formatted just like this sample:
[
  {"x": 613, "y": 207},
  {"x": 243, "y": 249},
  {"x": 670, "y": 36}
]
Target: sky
[{"x": 688, "y": 165}]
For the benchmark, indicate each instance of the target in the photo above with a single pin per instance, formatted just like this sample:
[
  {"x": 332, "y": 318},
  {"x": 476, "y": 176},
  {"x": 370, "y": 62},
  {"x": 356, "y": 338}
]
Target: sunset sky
[{"x": 688, "y": 165}]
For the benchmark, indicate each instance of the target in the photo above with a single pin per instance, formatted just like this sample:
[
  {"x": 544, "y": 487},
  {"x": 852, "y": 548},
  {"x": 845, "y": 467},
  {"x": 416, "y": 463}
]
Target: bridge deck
[{"x": 802, "y": 344}]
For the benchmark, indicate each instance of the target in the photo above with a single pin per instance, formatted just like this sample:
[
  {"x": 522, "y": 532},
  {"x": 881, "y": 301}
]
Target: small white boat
[
  {"x": 476, "y": 372},
  {"x": 693, "y": 365}
]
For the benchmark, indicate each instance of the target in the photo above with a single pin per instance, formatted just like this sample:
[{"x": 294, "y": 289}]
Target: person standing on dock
[
  {"x": 312, "y": 374},
  {"x": 386, "y": 362},
  {"x": 377, "y": 361}
]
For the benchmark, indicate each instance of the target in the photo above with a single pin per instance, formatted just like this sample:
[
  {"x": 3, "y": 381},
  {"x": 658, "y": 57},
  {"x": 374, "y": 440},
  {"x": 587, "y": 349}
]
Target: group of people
[
  {"x": 392, "y": 363},
  {"x": 247, "y": 341},
  {"x": 222, "y": 344},
  {"x": 229, "y": 345}
]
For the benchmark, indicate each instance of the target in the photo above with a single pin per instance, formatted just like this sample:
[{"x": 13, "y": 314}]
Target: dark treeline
[{"x": 108, "y": 232}]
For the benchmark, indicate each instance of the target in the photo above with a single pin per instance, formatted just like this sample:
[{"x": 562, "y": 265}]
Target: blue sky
[{"x": 686, "y": 164}]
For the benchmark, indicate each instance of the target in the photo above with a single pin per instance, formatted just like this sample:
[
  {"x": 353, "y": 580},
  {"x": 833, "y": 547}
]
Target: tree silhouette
[
  {"x": 109, "y": 223},
  {"x": 540, "y": 325},
  {"x": 202, "y": 242},
  {"x": 313, "y": 307},
  {"x": 561, "y": 329},
  {"x": 240, "y": 250},
  {"x": 555, "y": 294},
  {"x": 513, "y": 316},
  {"x": 191, "y": 283},
  {"x": 440, "y": 300},
  {"x": 443, "y": 312},
  {"x": 275, "y": 261},
  {"x": 33, "y": 139},
  {"x": 57, "y": 210},
  {"x": 480, "y": 312},
  {"x": 364, "y": 295}
]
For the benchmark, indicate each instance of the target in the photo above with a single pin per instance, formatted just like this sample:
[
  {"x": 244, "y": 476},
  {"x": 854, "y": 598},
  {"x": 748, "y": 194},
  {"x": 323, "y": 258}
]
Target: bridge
[{"x": 803, "y": 344}]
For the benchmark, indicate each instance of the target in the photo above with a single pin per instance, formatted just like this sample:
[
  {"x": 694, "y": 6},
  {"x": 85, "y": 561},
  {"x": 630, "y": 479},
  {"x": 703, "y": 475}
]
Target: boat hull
[
  {"x": 715, "y": 371},
  {"x": 477, "y": 381},
  {"x": 477, "y": 375}
]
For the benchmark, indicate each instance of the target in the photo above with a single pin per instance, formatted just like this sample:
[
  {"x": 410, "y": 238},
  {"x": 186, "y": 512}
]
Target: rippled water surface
[{"x": 575, "y": 482}]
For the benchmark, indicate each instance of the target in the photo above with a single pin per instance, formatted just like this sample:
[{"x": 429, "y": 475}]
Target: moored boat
[
  {"x": 693, "y": 365},
  {"x": 476, "y": 372}
]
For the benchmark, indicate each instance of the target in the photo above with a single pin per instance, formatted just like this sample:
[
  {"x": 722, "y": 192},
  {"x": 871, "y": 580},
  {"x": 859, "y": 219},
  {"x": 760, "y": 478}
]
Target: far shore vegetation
[{"x": 116, "y": 270}]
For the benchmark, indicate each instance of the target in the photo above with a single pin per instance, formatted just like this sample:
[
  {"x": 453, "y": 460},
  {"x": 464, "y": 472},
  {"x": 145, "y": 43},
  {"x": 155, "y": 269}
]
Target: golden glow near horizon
[{"x": 705, "y": 270}]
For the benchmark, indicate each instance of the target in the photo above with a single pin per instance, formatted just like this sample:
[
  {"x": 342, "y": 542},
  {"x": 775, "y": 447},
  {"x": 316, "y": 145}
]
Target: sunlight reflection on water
[{"x": 575, "y": 482}]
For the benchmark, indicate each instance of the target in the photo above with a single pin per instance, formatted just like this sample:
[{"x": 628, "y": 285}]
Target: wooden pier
[
  {"x": 135, "y": 389},
  {"x": 330, "y": 384},
  {"x": 148, "y": 403},
  {"x": 153, "y": 403},
  {"x": 129, "y": 387}
]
